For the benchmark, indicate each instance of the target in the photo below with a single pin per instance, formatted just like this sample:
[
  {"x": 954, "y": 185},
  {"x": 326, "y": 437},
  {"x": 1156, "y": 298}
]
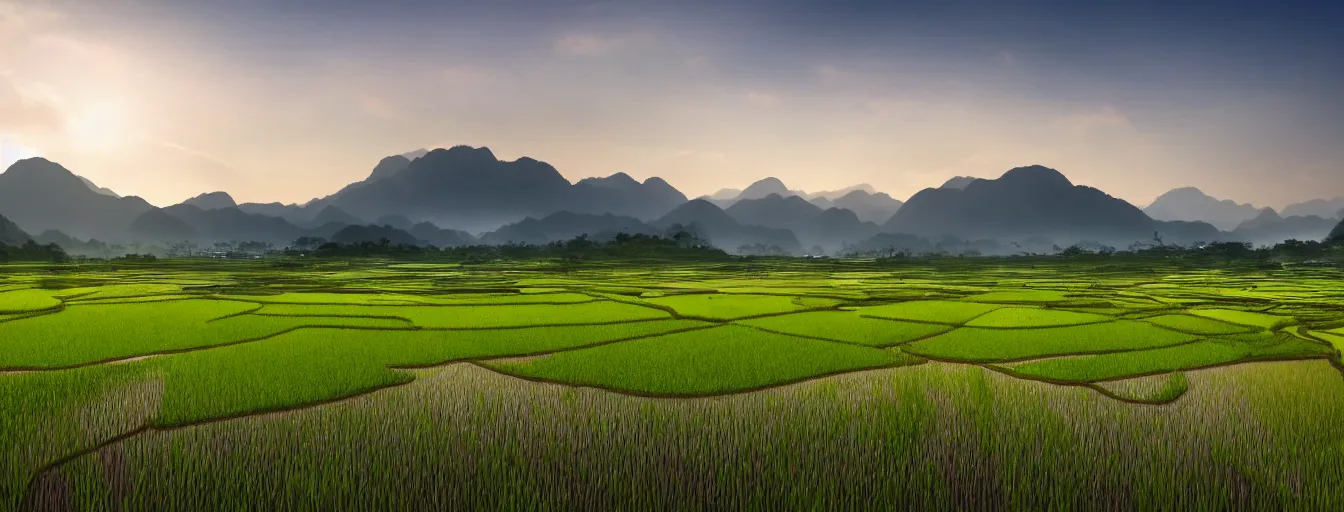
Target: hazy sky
[{"x": 283, "y": 100}]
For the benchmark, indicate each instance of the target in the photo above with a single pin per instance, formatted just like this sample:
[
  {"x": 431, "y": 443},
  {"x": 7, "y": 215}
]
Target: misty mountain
[
  {"x": 470, "y": 188},
  {"x": 295, "y": 214},
  {"x": 374, "y": 234},
  {"x": 1270, "y": 228},
  {"x": 958, "y": 182},
  {"x": 1025, "y": 201},
  {"x": 774, "y": 211},
  {"x": 330, "y": 214},
  {"x": 765, "y": 187},
  {"x": 10, "y": 234},
  {"x": 1336, "y": 235},
  {"x": 1191, "y": 204},
  {"x": 725, "y": 193},
  {"x": 39, "y": 195},
  {"x": 562, "y": 226},
  {"x": 711, "y": 223},
  {"x": 412, "y": 155},
  {"x": 98, "y": 189},
  {"x": 212, "y": 201},
  {"x": 396, "y": 221},
  {"x": 621, "y": 193},
  {"x": 388, "y": 167},
  {"x": 869, "y": 207},
  {"x": 440, "y": 237},
  {"x": 159, "y": 226},
  {"x": 1330, "y": 209},
  {"x": 836, "y": 194},
  {"x": 188, "y": 222}
]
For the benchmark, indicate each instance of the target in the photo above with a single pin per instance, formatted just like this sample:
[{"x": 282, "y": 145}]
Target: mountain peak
[
  {"x": 958, "y": 182},
  {"x": 763, "y": 188},
  {"x": 212, "y": 201},
  {"x": 1037, "y": 174},
  {"x": 388, "y": 167},
  {"x": 619, "y": 180}
]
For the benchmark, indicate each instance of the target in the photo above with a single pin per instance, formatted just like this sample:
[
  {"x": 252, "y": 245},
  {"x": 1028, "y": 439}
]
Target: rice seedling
[
  {"x": 931, "y": 311},
  {"x": 975, "y": 344},
  {"x": 846, "y": 326},
  {"x": 1034, "y": 317},
  {"x": 719, "y": 360},
  {"x": 1184, "y": 357},
  {"x": 734, "y": 306}
]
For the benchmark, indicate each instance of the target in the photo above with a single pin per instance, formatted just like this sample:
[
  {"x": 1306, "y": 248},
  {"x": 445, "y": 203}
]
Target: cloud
[
  {"x": 592, "y": 45},
  {"x": 762, "y": 99},
  {"x": 1007, "y": 58},
  {"x": 1103, "y": 118},
  {"x": 28, "y": 108},
  {"x": 467, "y": 75},
  {"x": 583, "y": 45},
  {"x": 212, "y": 162},
  {"x": 830, "y": 72},
  {"x": 377, "y": 107}
]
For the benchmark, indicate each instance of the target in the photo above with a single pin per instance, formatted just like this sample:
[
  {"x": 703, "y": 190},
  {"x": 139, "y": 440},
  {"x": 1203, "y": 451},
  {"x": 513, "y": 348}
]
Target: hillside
[
  {"x": 39, "y": 195},
  {"x": 1024, "y": 202},
  {"x": 1191, "y": 204}
]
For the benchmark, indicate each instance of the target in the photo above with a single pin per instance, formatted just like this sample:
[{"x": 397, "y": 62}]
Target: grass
[
  {"x": 1196, "y": 325},
  {"x": 86, "y": 334},
  {"x": 314, "y": 365},
  {"x": 718, "y": 360},
  {"x": 23, "y": 301},
  {"x": 1185, "y": 357},
  {"x": 931, "y": 311},
  {"x": 1154, "y": 389},
  {"x": 846, "y": 326},
  {"x": 733, "y": 306},
  {"x": 414, "y": 423},
  {"x": 1033, "y": 317},
  {"x": 988, "y": 345},
  {"x": 1248, "y": 318}
]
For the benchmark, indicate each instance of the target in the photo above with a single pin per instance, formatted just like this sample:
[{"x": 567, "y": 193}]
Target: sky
[{"x": 286, "y": 100}]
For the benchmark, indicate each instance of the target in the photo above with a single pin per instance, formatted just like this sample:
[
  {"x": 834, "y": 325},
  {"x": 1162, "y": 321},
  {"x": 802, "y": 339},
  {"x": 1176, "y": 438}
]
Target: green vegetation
[
  {"x": 973, "y": 344},
  {"x": 718, "y": 360},
  {"x": 1184, "y": 357},
  {"x": 488, "y": 383},
  {"x": 728, "y": 307},
  {"x": 933, "y": 311},
  {"x": 846, "y": 326}
]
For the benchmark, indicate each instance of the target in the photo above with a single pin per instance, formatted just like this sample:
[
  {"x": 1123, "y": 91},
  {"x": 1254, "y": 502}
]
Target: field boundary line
[{"x": 717, "y": 394}]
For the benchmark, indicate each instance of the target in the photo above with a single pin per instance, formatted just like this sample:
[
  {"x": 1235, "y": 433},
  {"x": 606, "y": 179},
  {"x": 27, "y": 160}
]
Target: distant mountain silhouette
[
  {"x": 1336, "y": 235},
  {"x": 621, "y": 193},
  {"x": 1270, "y": 228},
  {"x": 1330, "y": 209},
  {"x": 469, "y": 188},
  {"x": 1266, "y": 217},
  {"x": 412, "y": 155},
  {"x": 836, "y": 194},
  {"x": 1025, "y": 201},
  {"x": 1191, "y": 204},
  {"x": 212, "y": 201},
  {"x": 763, "y": 188},
  {"x": 188, "y": 222},
  {"x": 562, "y": 226},
  {"x": 439, "y": 237},
  {"x": 388, "y": 167},
  {"x": 331, "y": 213},
  {"x": 39, "y": 195},
  {"x": 98, "y": 189},
  {"x": 774, "y": 211},
  {"x": 869, "y": 207},
  {"x": 396, "y": 221},
  {"x": 11, "y": 234},
  {"x": 958, "y": 182},
  {"x": 159, "y": 226},
  {"x": 725, "y": 193},
  {"x": 723, "y": 231},
  {"x": 374, "y": 234},
  {"x": 293, "y": 213},
  {"x": 73, "y": 245}
]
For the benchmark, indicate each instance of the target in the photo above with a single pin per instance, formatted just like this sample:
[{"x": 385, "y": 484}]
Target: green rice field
[{"x": 973, "y": 384}]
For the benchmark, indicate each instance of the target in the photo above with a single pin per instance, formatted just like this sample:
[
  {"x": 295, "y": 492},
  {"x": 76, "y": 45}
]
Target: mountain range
[
  {"x": 1189, "y": 203},
  {"x": 442, "y": 196}
]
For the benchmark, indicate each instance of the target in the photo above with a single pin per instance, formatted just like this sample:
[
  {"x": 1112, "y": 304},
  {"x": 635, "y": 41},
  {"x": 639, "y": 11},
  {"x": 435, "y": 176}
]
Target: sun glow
[
  {"x": 11, "y": 151},
  {"x": 102, "y": 126}
]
